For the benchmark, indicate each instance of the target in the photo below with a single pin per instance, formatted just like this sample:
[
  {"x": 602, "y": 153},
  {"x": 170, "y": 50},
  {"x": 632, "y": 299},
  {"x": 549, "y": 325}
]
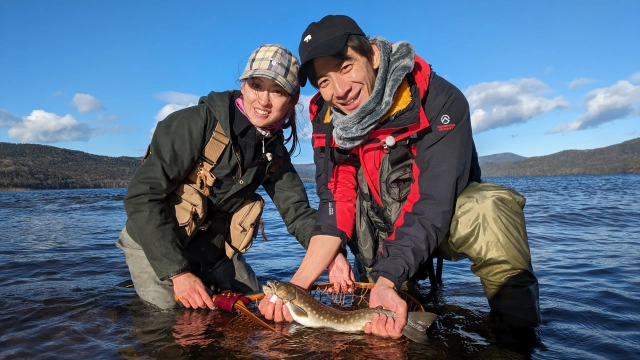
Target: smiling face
[
  {"x": 265, "y": 101},
  {"x": 347, "y": 84}
]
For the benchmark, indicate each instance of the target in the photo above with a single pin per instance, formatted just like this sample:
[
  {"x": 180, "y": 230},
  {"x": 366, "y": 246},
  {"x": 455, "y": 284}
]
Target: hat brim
[
  {"x": 290, "y": 88},
  {"x": 327, "y": 48}
]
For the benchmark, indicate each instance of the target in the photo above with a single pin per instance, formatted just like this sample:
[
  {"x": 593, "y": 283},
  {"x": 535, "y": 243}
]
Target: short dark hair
[{"x": 358, "y": 43}]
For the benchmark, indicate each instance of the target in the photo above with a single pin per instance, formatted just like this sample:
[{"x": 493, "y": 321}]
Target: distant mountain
[
  {"x": 29, "y": 166},
  {"x": 500, "y": 158},
  {"x": 307, "y": 172},
  {"x": 623, "y": 158}
]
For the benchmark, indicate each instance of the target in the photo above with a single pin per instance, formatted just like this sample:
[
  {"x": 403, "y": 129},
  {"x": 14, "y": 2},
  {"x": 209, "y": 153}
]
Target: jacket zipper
[{"x": 237, "y": 159}]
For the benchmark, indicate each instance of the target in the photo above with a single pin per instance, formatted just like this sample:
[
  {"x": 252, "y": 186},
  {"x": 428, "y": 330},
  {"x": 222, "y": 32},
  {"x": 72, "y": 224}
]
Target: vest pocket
[
  {"x": 398, "y": 182},
  {"x": 365, "y": 241},
  {"x": 188, "y": 206}
]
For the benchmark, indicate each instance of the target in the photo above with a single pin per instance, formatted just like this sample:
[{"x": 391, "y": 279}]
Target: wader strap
[{"x": 216, "y": 145}]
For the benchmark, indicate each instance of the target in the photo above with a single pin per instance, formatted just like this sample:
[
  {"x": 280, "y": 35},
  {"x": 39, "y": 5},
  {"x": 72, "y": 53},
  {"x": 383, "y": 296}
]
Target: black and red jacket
[{"x": 437, "y": 117}]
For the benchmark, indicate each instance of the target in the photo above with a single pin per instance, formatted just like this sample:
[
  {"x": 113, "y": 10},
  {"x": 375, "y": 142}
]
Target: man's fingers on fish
[
  {"x": 367, "y": 328},
  {"x": 391, "y": 329},
  {"x": 381, "y": 326}
]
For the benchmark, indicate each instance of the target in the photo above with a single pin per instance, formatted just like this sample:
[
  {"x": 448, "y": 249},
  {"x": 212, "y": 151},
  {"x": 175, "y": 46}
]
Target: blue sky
[{"x": 96, "y": 76}]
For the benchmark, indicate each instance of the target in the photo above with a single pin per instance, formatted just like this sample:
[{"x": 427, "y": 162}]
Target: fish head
[{"x": 281, "y": 289}]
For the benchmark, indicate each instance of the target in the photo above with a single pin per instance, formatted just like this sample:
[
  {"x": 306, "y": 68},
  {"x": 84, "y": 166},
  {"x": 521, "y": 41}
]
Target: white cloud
[
  {"x": 605, "y": 105},
  {"x": 176, "y": 101},
  {"x": 498, "y": 104},
  {"x": 304, "y": 124},
  {"x": 7, "y": 120},
  {"x": 44, "y": 127},
  {"x": 580, "y": 82},
  {"x": 635, "y": 78},
  {"x": 168, "y": 109},
  {"x": 85, "y": 103}
]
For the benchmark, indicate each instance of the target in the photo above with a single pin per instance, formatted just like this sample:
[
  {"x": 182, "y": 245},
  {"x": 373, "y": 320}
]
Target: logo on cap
[{"x": 307, "y": 38}]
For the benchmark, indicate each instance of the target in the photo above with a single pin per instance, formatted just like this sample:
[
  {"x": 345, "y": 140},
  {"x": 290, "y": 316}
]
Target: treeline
[
  {"x": 623, "y": 158},
  {"x": 30, "y": 166}
]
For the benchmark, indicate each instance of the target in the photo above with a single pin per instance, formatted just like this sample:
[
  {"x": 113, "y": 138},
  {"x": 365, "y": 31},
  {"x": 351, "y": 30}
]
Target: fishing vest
[{"x": 188, "y": 203}]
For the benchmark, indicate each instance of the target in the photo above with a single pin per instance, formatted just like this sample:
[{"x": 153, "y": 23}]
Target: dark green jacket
[{"x": 176, "y": 144}]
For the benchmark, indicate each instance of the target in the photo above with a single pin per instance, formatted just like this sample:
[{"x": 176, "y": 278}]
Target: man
[{"x": 399, "y": 181}]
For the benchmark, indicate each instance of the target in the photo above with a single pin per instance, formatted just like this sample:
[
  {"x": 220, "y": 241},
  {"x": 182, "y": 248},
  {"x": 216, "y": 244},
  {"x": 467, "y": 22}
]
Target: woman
[{"x": 160, "y": 259}]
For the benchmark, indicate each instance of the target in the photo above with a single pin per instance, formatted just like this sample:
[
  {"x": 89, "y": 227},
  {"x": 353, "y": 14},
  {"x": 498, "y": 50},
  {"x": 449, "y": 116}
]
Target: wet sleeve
[
  {"x": 441, "y": 172},
  {"x": 175, "y": 146}
]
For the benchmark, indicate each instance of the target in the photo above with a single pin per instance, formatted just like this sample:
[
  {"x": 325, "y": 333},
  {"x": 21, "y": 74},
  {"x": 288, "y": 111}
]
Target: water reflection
[{"x": 60, "y": 268}]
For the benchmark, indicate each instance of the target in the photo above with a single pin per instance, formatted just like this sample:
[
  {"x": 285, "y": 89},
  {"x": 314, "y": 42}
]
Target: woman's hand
[
  {"x": 191, "y": 291},
  {"x": 275, "y": 311}
]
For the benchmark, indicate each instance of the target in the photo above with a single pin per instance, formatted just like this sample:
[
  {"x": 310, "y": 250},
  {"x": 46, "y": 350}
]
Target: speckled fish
[{"x": 308, "y": 311}]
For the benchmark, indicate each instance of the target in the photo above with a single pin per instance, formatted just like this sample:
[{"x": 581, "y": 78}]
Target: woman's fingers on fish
[
  {"x": 287, "y": 314},
  {"x": 267, "y": 307},
  {"x": 277, "y": 316}
]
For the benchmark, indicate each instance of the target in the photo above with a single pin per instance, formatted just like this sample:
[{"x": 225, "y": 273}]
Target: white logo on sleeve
[
  {"x": 445, "y": 119},
  {"x": 307, "y": 38}
]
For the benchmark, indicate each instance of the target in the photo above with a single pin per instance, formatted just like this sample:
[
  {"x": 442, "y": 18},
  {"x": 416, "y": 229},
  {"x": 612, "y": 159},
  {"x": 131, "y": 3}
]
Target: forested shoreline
[{"x": 32, "y": 167}]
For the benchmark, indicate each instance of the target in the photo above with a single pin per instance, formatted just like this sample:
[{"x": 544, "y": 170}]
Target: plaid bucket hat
[{"x": 276, "y": 63}]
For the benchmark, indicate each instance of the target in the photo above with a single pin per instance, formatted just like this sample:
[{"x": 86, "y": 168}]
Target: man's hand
[
  {"x": 384, "y": 294},
  {"x": 341, "y": 274},
  {"x": 191, "y": 291},
  {"x": 274, "y": 311}
]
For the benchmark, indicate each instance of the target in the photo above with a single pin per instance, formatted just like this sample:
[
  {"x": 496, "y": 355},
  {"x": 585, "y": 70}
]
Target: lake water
[{"x": 60, "y": 268}]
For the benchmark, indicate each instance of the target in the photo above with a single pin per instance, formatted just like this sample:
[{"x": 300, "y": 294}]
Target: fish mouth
[{"x": 270, "y": 287}]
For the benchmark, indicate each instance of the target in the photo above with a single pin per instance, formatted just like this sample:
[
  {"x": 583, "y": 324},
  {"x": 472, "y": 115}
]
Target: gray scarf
[{"x": 396, "y": 61}]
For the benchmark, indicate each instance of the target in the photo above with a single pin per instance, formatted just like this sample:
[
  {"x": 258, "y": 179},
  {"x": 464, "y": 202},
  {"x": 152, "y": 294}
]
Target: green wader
[{"x": 488, "y": 228}]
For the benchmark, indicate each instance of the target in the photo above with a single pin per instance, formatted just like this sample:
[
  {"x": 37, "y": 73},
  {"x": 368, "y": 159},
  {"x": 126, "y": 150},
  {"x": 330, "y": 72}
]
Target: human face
[
  {"x": 265, "y": 101},
  {"x": 347, "y": 84}
]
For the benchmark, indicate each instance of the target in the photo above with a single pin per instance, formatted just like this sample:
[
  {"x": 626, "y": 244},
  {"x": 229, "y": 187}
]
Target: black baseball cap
[{"x": 324, "y": 38}]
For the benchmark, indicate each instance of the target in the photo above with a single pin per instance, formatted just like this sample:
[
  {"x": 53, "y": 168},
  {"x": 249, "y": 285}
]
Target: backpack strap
[{"x": 207, "y": 160}]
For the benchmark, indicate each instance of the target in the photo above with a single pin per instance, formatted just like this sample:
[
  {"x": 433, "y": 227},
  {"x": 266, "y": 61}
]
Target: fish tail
[{"x": 417, "y": 325}]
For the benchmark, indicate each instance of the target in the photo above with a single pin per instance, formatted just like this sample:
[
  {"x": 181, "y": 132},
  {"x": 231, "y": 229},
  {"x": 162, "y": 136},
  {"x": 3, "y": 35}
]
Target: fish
[{"x": 308, "y": 311}]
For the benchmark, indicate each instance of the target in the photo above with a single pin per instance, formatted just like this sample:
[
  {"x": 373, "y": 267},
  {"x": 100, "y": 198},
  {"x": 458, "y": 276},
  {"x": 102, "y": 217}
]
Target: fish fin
[
  {"x": 298, "y": 311},
  {"x": 417, "y": 325}
]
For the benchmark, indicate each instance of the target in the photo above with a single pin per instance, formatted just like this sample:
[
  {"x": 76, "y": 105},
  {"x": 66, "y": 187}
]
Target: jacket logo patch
[
  {"x": 447, "y": 127},
  {"x": 445, "y": 120}
]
